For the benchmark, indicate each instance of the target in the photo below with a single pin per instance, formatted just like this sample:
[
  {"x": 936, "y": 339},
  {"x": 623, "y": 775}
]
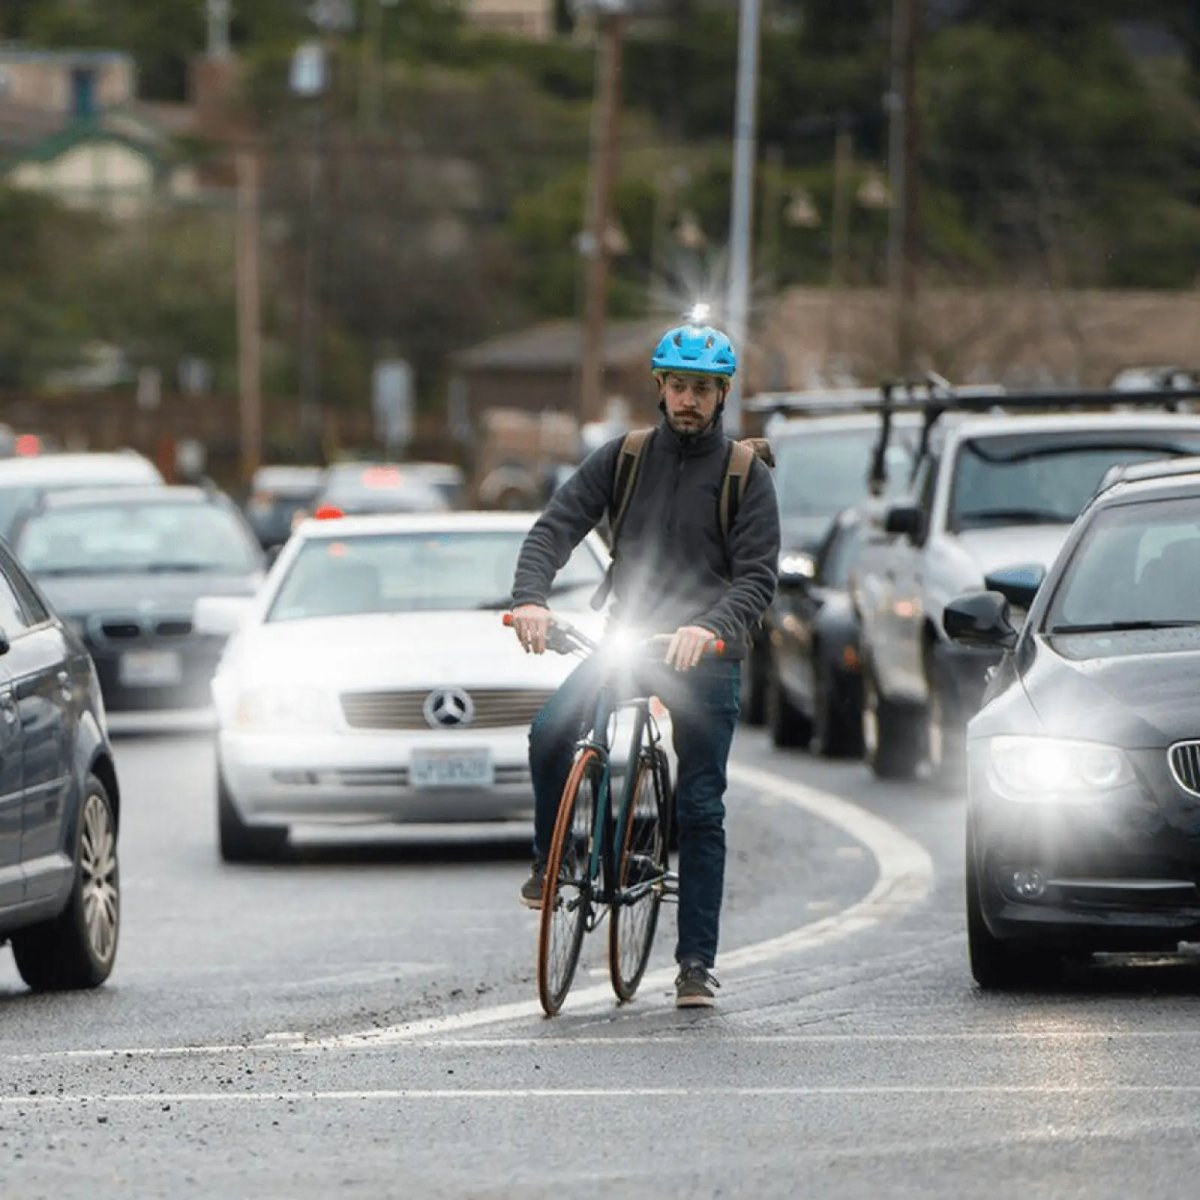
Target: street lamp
[{"x": 741, "y": 214}]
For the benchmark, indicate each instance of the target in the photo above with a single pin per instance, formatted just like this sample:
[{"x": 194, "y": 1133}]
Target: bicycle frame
[{"x": 608, "y": 830}]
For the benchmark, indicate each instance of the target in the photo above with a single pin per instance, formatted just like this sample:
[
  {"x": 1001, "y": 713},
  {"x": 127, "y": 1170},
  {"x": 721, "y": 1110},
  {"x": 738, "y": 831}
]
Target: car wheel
[
  {"x": 891, "y": 734},
  {"x": 240, "y": 842},
  {"x": 77, "y": 948},
  {"x": 754, "y": 670},
  {"x": 787, "y": 724},
  {"x": 834, "y": 734},
  {"x": 999, "y": 965}
]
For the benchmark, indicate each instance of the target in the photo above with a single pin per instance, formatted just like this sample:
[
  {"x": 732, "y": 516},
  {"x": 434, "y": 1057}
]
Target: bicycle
[{"x": 602, "y": 863}]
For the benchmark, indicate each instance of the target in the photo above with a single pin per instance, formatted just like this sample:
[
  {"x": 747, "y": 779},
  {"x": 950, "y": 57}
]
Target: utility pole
[
  {"x": 903, "y": 142},
  {"x": 602, "y": 174},
  {"x": 839, "y": 234},
  {"x": 745, "y": 128},
  {"x": 248, "y": 313}
]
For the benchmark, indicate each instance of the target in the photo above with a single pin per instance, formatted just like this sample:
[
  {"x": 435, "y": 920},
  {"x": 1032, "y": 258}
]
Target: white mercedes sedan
[{"x": 372, "y": 680}]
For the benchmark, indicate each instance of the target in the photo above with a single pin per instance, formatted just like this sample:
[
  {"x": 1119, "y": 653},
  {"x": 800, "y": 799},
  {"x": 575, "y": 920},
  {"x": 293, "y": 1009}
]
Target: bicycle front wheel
[
  {"x": 567, "y": 897},
  {"x": 641, "y": 873}
]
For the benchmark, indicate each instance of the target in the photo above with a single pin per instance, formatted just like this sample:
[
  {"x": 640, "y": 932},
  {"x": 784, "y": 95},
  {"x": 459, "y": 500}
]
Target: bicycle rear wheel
[
  {"x": 567, "y": 898},
  {"x": 641, "y": 869}
]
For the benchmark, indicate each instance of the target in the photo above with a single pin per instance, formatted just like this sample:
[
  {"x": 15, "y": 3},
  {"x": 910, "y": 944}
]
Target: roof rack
[
  {"x": 1155, "y": 468},
  {"x": 932, "y": 396}
]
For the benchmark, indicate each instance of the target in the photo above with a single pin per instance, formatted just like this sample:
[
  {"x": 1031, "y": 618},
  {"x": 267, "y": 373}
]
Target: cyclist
[{"x": 673, "y": 570}]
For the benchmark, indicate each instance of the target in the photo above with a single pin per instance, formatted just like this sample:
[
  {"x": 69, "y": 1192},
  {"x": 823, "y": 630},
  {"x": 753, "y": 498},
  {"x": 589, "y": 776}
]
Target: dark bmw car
[
  {"x": 124, "y": 568},
  {"x": 1083, "y": 825},
  {"x": 814, "y": 676},
  {"x": 59, "y": 799}
]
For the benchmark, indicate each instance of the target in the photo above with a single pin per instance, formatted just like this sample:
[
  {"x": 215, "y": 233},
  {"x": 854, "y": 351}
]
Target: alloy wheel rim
[{"x": 98, "y": 878}]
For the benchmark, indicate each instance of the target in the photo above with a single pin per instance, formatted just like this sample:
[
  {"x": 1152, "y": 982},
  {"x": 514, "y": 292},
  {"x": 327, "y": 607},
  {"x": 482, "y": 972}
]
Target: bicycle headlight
[{"x": 1055, "y": 769}]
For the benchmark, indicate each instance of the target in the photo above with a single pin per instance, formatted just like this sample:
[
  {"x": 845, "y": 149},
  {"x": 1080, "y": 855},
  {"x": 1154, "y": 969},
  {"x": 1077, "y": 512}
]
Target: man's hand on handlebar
[
  {"x": 531, "y": 623},
  {"x": 687, "y": 646}
]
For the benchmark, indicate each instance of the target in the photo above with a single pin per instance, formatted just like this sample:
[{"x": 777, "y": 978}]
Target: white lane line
[
  {"x": 725, "y": 1038},
  {"x": 905, "y": 878},
  {"x": 101, "y": 1099}
]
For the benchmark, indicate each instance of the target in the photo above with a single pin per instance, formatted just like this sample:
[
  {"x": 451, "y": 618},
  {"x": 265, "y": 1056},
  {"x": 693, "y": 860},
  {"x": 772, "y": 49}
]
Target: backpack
[{"x": 742, "y": 454}]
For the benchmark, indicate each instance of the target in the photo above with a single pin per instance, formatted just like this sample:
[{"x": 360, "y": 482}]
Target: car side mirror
[
  {"x": 221, "y": 616},
  {"x": 1019, "y": 584},
  {"x": 796, "y": 571},
  {"x": 5, "y": 644},
  {"x": 980, "y": 619},
  {"x": 903, "y": 518}
]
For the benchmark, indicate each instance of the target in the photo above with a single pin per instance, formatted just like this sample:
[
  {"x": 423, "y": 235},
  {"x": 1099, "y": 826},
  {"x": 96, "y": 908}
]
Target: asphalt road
[{"x": 361, "y": 1021}]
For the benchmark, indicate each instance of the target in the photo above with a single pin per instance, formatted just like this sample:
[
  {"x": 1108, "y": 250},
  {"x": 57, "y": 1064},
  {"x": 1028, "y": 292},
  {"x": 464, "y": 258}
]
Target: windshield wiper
[
  {"x": 187, "y": 568},
  {"x": 1028, "y": 516},
  {"x": 1121, "y": 626}
]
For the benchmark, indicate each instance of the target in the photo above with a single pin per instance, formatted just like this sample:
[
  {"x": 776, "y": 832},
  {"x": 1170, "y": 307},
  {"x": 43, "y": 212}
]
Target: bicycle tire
[
  {"x": 566, "y": 899},
  {"x": 644, "y": 854}
]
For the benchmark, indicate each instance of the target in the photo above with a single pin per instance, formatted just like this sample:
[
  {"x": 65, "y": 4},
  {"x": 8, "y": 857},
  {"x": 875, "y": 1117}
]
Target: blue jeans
[{"x": 704, "y": 705}]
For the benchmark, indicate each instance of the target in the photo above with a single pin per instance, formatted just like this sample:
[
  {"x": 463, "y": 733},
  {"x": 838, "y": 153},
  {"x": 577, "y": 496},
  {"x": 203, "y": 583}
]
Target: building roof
[{"x": 48, "y": 148}]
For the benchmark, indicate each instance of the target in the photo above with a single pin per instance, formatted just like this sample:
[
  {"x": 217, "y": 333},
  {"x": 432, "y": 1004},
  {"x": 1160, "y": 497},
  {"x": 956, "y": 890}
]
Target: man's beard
[{"x": 693, "y": 428}]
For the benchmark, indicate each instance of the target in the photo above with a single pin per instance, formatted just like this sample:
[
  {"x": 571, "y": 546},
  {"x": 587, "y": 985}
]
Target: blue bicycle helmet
[{"x": 700, "y": 349}]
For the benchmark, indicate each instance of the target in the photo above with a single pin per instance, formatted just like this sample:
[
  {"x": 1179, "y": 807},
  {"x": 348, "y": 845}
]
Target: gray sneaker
[
  {"x": 534, "y": 886},
  {"x": 694, "y": 985}
]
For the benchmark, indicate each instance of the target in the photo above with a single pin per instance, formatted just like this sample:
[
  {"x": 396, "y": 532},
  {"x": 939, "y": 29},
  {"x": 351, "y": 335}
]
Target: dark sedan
[
  {"x": 1083, "y": 825},
  {"x": 813, "y": 673},
  {"x": 124, "y": 567},
  {"x": 59, "y": 799}
]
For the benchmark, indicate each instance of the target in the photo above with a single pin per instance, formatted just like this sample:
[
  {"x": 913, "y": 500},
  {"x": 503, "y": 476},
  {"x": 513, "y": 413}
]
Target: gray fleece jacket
[{"x": 671, "y": 564}]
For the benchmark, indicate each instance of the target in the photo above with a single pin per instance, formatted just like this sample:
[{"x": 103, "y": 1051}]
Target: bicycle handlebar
[{"x": 716, "y": 646}]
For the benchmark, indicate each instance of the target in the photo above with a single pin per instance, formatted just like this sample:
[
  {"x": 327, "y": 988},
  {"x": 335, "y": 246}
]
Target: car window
[
  {"x": 1134, "y": 563},
  {"x": 415, "y": 572},
  {"x": 839, "y": 554},
  {"x": 1044, "y": 478},
  {"x": 819, "y": 474},
  {"x": 12, "y": 617},
  {"x": 147, "y": 536},
  {"x": 13, "y": 502},
  {"x": 32, "y": 604}
]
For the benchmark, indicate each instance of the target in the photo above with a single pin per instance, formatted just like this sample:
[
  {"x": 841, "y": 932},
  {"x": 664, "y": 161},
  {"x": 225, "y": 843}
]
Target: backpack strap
[
  {"x": 625, "y": 479},
  {"x": 737, "y": 469}
]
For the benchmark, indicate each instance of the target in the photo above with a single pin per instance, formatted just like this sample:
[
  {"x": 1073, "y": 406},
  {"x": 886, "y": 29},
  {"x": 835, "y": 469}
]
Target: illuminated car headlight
[
  {"x": 284, "y": 710},
  {"x": 1043, "y": 768}
]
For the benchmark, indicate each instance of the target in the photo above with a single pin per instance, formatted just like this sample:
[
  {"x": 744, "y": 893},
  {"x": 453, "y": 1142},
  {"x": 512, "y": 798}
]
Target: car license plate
[
  {"x": 150, "y": 668},
  {"x": 451, "y": 768}
]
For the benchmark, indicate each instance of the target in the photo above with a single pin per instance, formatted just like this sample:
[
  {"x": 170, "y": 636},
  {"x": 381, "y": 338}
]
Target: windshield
[
  {"x": 819, "y": 474},
  {"x": 116, "y": 538},
  {"x": 1045, "y": 478},
  {"x": 417, "y": 572},
  {"x": 1137, "y": 566}
]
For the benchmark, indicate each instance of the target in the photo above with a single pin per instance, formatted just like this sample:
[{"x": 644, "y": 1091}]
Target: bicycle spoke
[
  {"x": 566, "y": 904},
  {"x": 641, "y": 874}
]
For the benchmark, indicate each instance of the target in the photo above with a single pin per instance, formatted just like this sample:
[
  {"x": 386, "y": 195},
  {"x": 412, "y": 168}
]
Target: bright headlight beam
[{"x": 1049, "y": 769}]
